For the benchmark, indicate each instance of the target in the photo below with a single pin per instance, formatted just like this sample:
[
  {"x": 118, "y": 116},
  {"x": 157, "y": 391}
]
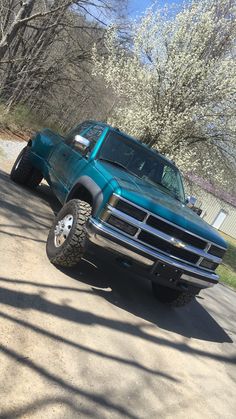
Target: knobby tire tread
[{"x": 72, "y": 250}]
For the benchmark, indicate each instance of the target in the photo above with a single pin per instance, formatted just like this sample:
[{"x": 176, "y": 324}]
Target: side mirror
[
  {"x": 81, "y": 144},
  {"x": 191, "y": 201}
]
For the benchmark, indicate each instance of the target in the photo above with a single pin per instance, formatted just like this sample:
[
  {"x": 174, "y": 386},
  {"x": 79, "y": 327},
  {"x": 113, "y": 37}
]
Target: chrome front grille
[
  {"x": 167, "y": 247},
  {"x": 162, "y": 235},
  {"x": 174, "y": 231}
]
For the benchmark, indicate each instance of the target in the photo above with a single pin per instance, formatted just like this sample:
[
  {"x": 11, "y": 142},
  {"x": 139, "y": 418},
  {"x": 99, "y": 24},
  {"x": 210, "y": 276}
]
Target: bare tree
[{"x": 45, "y": 57}]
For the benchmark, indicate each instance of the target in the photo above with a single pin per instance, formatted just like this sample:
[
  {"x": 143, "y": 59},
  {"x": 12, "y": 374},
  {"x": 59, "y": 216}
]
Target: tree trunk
[{"x": 11, "y": 32}]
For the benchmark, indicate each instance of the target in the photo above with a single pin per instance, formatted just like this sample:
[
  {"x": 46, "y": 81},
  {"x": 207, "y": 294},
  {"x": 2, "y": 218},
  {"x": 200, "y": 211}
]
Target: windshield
[{"x": 143, "y": 163}]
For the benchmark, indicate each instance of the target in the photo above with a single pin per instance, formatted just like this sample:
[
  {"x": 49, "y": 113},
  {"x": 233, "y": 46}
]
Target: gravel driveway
[
  {"x": 93, "y": 342},
  {"x": 9, "y": 150}
]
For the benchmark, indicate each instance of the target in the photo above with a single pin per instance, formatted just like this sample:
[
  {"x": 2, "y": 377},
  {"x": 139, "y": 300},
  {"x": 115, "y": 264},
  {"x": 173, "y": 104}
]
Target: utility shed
[{"x": 218, "y": 207}]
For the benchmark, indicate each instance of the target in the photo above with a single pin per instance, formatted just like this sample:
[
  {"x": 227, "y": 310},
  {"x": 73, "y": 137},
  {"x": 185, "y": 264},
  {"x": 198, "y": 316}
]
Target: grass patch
[
  {"x": 23, "y": 119},
  {"x": 227, "y": 270},
  {"x": 20, "y": 118}
]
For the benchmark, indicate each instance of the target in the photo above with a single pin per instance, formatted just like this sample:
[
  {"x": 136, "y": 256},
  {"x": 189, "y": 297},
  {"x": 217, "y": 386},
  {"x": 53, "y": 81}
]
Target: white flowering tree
[{"x": 174, "y": 84}]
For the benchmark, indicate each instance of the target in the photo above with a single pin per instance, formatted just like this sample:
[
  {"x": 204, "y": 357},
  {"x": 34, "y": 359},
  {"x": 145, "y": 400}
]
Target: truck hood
[{"x": 152, "y": 198}]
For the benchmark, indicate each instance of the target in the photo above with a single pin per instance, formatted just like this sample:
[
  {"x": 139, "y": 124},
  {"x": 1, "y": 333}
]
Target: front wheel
[
  {"x": 170, "y": 296},
  {"x": 65, "y": 243}
]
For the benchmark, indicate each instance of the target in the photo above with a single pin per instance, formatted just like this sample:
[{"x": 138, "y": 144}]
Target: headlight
[
  {"x": 127, "y": 208},
  {"x": 216, "y": 251},
  {"x": 208, "y": 264},
  {"x": 116, "y": 220},
  {"x": 122, "y": 225}
]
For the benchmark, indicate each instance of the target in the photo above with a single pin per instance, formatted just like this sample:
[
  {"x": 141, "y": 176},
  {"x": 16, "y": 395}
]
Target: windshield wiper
[{"x": 116, "y": 163}]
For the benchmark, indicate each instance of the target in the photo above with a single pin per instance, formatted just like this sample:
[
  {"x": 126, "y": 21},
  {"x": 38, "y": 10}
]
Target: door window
[
  {"x": 93, "y": 134},
  {"x": 76, "y": 131}
]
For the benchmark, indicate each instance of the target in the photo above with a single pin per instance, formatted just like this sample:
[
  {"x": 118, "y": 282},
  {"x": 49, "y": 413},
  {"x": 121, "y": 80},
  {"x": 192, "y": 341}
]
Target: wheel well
[{"x": 80, "y": 192}]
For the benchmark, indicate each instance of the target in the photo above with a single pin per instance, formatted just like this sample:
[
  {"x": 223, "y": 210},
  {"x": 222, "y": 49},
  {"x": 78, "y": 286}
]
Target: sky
[{"x": 137, "y": 7}]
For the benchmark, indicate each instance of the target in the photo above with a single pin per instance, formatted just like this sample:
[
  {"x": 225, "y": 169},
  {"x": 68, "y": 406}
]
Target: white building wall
[{"x": 211, "y": 207}]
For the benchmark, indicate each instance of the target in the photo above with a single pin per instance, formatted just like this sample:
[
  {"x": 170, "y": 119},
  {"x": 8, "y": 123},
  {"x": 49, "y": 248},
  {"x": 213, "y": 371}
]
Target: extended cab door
[
  {"x": 77, "y": 163},
  {"x": 59, "y": 161},
  {"x": 70, "y": 163}
]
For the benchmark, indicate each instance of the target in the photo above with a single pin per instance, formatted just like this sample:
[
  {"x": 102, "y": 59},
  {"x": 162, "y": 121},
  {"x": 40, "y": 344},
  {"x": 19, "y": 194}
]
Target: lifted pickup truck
[{"x": 121, "y": 197}]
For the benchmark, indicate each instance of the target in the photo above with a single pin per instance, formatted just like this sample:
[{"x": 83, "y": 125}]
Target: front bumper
[{"x": 110, "y": 240}]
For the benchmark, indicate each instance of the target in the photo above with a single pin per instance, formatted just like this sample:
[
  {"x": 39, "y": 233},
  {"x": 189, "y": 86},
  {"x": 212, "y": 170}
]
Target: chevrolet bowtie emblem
[{"x": 177, "y": 243}]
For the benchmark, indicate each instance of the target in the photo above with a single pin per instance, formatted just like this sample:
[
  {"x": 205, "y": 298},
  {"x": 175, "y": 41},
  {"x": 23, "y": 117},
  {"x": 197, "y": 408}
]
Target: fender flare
[{"x": 94, "y": 190}]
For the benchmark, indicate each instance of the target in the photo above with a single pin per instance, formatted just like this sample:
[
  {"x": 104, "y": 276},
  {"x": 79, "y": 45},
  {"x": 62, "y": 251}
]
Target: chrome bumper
[{"x": 109, "y": 239}]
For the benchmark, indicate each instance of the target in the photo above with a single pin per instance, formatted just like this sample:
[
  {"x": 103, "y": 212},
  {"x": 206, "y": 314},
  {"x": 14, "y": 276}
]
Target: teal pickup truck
[{"x": 123, "y": 198}]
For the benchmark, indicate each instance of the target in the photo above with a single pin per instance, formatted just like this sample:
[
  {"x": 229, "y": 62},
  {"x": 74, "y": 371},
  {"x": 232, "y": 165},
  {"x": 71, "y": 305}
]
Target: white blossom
[{"x": 175, "y": 85}]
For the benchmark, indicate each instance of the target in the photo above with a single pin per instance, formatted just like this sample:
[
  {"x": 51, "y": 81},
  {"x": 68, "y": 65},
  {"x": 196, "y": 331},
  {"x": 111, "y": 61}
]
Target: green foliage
[
  {"x": 21, "y": 118},
  {"x": 227, "y": 271}
]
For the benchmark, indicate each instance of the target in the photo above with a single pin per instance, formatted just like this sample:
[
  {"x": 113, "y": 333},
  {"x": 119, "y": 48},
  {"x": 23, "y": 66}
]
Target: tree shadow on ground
[
  {"x": 22, "y": 210},
  {"x": 156, "y": 314},
  {"x": 16, "y": 192},
  {"x": 51, "y": 402},
  {"x": 99, "y": 399},
  {"x": 134, "y": 295},
  {"x": 37, "y": 301}
]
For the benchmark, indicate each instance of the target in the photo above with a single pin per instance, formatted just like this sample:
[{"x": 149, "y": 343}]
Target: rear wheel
[
  {"x": 66, "y": 238},
  {"x": 170, "y": 296},
  {"x": 23, "y": 172}
]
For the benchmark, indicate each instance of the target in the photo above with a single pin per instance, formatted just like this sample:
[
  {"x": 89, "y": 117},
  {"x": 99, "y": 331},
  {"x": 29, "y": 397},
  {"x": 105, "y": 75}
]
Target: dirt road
[{"x": 94, "y": 343}]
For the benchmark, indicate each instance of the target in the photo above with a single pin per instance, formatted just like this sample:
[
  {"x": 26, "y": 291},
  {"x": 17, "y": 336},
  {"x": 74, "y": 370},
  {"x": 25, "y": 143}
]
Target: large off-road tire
[
  {"x": 23, "y": 172},
  {"x": 170, "y": 296},
  {"x": 66, "y": 238}
]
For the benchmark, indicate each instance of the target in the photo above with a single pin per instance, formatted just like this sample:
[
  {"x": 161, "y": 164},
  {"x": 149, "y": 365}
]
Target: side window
[
  {"x": 76, "y": 131},
  {"x": 93, "y": 134}
]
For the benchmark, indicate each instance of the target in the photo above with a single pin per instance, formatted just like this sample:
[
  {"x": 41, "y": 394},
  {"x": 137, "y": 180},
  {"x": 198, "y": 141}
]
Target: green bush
[
  {"x": 24, "y": 119},
  {"x": 227, "y": 270}
]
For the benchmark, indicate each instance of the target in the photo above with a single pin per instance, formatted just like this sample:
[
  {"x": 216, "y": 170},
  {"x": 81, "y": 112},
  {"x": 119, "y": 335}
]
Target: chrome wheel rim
[{"x": 62, "y": 230}]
